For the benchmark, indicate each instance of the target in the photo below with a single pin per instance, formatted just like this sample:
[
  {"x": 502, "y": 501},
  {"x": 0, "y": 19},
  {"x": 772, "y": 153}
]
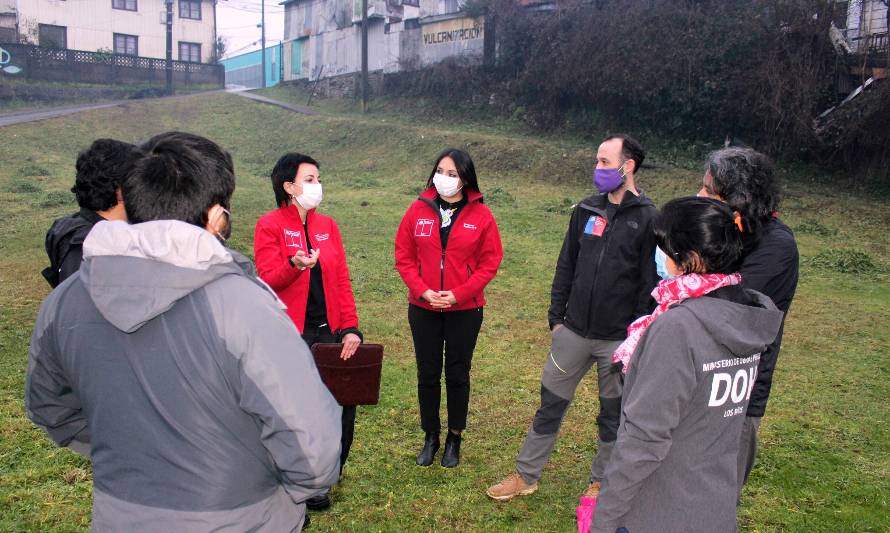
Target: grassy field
[
  {"x": 825, "y": 458},
  {"x": 22, "y": 95}
]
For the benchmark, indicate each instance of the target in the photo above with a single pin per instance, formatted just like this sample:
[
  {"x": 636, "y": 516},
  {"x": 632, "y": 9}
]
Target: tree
[{"x": 219, "y": 49}]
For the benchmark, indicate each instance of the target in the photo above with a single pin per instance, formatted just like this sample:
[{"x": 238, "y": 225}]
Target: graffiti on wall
[
  {"x": 5, "y": 60},
  {"x": 456, "y": 30}
]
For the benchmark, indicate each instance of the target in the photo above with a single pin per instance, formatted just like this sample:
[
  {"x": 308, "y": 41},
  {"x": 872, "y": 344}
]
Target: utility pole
[
  {"x": 263, "y": 38},
  {"x": 169, "y": 65},
  {"x": 364, "y": 56}
]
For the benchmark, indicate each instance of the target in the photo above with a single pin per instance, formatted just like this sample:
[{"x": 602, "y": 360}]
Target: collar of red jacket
[
  {"x": 431, "y": 194},
  {"x": 292, "y": 211}
]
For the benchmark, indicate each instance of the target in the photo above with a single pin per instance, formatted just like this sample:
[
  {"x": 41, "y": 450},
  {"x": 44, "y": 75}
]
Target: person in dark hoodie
[
  {"x": 101, "y": 169},
  {"x": 603, "y": 278},
  {"x": 746, "y": 181},
  {"x": 180, "y": 376},
  {"x": 690, "y": 368}
]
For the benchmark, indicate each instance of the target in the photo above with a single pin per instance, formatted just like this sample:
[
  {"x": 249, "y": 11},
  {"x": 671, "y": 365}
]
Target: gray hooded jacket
[
  {"x": 185, "y": 382},
  {"x": 674, "y": 467}
]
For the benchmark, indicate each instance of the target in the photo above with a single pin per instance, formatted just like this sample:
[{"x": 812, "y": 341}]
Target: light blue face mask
[{"x": 661, "y": 264}]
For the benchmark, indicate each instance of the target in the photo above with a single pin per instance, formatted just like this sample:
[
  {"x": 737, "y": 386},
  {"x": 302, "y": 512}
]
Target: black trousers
[
  {"x": 454, "y": 333},
  {"x": 323, "y": 334}
]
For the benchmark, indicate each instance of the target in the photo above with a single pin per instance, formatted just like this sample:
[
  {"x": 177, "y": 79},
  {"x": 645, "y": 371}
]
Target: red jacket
[
  {"x": 279, "y": 235},
  {"x": 465, "y": 267}
]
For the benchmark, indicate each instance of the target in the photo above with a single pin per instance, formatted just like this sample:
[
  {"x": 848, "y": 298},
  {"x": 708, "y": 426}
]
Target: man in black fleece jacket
[
  {"x": 604, "y": 276},
  {"x": 745, "y": 180}
]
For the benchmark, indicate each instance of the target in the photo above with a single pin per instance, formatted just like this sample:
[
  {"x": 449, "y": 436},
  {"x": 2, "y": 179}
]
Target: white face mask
[
  {"x": 446, "y": 185},
  {"x": 311, "y": 197}
]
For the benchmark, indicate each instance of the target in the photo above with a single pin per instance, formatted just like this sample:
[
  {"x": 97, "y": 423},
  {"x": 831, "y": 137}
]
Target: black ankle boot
[
  {"x": 451, "y": 455},
  {"x": 430, "y": 447}
]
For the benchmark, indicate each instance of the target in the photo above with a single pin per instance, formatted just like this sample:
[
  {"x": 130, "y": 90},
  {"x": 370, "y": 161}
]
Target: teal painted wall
[{"x": 250, "y": 59}]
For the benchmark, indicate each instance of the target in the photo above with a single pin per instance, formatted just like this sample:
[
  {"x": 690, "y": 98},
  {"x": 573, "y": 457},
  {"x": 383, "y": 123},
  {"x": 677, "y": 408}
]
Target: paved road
[
  {"x": 295, "y": 108},
  {"x": 33, "y": 115}
]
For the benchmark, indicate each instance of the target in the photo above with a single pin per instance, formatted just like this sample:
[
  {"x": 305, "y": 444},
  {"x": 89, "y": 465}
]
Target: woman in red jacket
[
  {"x": 447, "y": 250},
  {"x": 299, "y": 254}
]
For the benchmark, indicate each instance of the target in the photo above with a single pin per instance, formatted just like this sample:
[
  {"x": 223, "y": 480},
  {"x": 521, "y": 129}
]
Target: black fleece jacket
[
  {"x": 64, "y": 244},
  {"x": 604, "y": 276},
  {"x": 771, "y": 268}
]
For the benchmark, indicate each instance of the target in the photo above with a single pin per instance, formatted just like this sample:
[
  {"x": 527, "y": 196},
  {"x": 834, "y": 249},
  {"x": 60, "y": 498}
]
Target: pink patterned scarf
[{"x": 667, "y": 293}]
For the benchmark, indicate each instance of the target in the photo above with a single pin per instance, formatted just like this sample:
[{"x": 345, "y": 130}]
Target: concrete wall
[
  {"x": 431, "y": 8},
  {"x": 320, "y": 38},
  {"x": 451, "y": 38},
  {"x": 312, "y": 17},
  {"x": 91, "y": 24},
  {"x": 338, "y": 52}
]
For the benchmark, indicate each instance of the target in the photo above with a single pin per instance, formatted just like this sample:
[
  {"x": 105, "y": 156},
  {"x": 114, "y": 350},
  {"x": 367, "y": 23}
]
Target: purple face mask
[{"x": 607, "y": 179}]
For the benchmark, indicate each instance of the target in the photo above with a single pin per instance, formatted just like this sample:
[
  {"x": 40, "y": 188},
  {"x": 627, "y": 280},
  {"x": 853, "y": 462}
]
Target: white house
[
  {"x": 867, "y": 22},
  {"x": 129, "y": 27}
]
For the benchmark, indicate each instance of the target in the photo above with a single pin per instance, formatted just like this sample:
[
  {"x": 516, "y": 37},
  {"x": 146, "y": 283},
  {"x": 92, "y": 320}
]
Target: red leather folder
[{"x": 355, "y": 381}]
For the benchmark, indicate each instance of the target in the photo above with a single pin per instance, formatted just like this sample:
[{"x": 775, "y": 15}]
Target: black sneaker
[{"x": 318, "y": 503}]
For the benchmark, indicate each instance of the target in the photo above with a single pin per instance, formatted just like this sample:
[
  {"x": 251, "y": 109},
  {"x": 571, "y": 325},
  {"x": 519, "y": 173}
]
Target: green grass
[
  {"x": 825, "y": 457},
  {"x": 21, "y": 95}
]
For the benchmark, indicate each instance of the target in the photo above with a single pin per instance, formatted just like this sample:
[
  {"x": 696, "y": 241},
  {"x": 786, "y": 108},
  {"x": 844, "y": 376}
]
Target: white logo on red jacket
[
  {"x": 424, "y": 227},
  {"x": 469, "y": 226},
  {"x": 292, "y": 238},
  {"x": 322, "y": 236}
]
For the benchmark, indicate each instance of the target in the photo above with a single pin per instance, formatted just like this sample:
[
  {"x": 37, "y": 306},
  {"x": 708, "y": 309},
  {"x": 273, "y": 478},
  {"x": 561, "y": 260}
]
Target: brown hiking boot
[
  {"x": 512, "y": 485},
  {"x": 593, "y": 490}
]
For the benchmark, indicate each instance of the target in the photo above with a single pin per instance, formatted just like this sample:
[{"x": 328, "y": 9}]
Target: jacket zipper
[
  {"x": 435, "y": 209},
  {"x": 610, "y": 224}
]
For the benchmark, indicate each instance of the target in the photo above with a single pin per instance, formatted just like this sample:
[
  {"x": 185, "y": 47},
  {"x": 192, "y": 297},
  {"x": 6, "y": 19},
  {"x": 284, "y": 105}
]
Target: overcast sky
[{"x": 237, "y": 20}]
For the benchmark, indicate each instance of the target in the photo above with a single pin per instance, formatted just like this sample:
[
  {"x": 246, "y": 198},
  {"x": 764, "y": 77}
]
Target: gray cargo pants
[{"x": 571, "y": 356}]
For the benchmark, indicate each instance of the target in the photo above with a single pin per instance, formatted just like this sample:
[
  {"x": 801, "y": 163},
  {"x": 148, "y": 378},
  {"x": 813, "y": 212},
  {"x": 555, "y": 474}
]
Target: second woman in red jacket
[
  {"x": 447, "y": 250},
  {"x": 299, "y": 254}
]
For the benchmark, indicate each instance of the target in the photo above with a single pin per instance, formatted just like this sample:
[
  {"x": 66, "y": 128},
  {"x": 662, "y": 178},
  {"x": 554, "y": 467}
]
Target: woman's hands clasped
[{"x": 439, "y": 299}]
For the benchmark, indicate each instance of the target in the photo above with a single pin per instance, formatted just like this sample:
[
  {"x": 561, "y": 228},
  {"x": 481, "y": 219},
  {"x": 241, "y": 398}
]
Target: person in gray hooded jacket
[
  {"x": 181, "y": 377},
  {"x": 690, "y": 368}
]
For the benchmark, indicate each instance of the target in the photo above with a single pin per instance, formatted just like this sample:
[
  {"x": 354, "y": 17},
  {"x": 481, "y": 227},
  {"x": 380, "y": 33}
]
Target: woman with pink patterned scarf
[{"x": 690, "y": 367}]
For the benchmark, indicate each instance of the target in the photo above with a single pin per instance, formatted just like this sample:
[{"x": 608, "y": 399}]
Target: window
[
  {"x": 129, "y": 5},
  {"x": 448, "y": 6},
  {"x": 190, "y": 52},
  {"x": 190, "y": 9},
  {"x": 127, "y": 45},
  {"x": 52, "y": 36}
]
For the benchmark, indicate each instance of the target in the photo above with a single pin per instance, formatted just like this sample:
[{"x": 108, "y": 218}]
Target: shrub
[
  {"x": 56, "y": 199},
  {"x": 32, "y": 169},
  {"x": 814, "y": 227},
  {"x": 21, "y": 186},
  {"x": 497, "y": 196},
  {"x": 844, "y": 261}
]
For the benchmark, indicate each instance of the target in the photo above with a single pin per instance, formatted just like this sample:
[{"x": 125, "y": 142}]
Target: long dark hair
[
  {"x": 286, "y": 170},
  {"x": 464, "y": 165},
  {"x": 702, "y": 226}
]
